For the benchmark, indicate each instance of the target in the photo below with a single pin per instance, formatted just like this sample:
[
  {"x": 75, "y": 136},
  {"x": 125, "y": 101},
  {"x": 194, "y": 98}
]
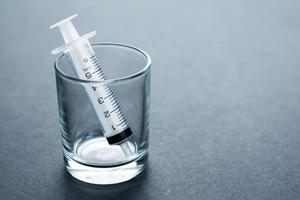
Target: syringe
[{"x": 87, "y": 67}]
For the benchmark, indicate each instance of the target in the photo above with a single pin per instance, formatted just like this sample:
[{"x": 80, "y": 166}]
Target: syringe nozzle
[{"x": 126, "y": 148}]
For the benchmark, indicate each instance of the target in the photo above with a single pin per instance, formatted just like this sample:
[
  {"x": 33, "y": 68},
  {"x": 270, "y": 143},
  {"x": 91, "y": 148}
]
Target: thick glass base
[
  {"x": 105, "y": 176},
  {"x": 100, "y": 163}
]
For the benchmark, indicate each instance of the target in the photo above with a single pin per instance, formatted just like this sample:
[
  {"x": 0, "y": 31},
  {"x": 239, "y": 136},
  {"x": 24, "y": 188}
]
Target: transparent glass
[{"x": 88, "y": 155}]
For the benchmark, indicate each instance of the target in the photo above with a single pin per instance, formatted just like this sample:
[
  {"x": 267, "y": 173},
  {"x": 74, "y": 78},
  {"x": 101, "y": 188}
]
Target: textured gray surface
[{"x": 225, "y": 118}]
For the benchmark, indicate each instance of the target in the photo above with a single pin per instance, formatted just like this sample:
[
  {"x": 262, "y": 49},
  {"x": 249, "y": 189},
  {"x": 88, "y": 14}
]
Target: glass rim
[{"x": 108, "y": 80}]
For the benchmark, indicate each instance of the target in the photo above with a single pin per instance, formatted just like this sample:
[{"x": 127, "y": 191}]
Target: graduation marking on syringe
[
  {"x": 121, "y": 123},
  {"x": 108, "y": 96},
  {"x": 96, "y": 71},
  {"x": 114, "y": 110}
]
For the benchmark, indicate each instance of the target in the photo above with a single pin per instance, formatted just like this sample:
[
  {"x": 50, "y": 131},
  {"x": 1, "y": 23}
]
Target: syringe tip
[{"x": 126, "y": 148}]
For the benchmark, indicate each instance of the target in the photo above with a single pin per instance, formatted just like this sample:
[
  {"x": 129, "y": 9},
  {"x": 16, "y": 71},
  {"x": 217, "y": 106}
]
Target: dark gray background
[{"x": 225, "y": 98}]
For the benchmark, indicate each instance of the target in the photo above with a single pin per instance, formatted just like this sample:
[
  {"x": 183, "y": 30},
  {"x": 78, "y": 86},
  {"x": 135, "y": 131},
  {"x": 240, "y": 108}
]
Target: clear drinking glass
[{"x": 88, "y": 156}]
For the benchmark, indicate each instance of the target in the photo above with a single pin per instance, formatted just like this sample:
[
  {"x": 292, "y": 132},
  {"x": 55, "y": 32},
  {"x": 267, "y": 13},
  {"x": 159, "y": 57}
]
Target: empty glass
[{"x": 88, "y": 155}]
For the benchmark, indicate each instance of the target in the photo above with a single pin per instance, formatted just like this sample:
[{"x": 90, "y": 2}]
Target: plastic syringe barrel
[{"x": 102, "y": 97}]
